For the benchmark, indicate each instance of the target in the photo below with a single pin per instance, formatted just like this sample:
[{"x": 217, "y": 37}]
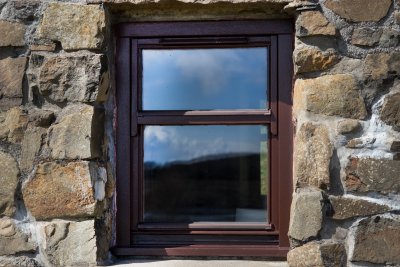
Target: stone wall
[{"x": 57, "y": 106}]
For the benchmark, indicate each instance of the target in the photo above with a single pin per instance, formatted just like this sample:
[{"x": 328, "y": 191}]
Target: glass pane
[
  {"x": 205, "y": 173},
  {"x": 204, "y": 79}
]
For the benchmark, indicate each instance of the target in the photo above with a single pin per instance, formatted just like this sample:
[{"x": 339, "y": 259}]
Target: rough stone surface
[
  {"x": 14, "y": 125},
  {"x": 395, "y": 146},
  {"x": 70, "y": 243},
  {"x": 373, "y": 175},
  {"x": 13, "y": 241},
  {"x": 359, "y": 10},
  {"x": 333, "y": 95},
  {"x": 317, "y": 255},
  {"x": 60, "y": 191},
  {"x": 12, "y": 33},
  {"x": 21, "y": 261},
  {"x": 77, "y": 134},
  {"x": 366, "y": 36},
  {"x": 188, "y": 1},
  {"x": 348, "y": 207},
  {"x": 348, "y": 126},
  {"x": 390, "y": 113},
  {"x": 311, "y": 59},
  {"x": 381, "y": 65},
  {"x": 397, "y": 16},
  {"x": 11, "y": 76},
  {"x": 71, "y": 77},
  {"x": 313, "y": 23},
  {"x": 9, "y": 181},
  {"x": 77, "y": 26},
  {"x": 306, "y": 207},
  {"x": 389, "y": 38},
  {"x": 313, "y": 152},
  {"x": 30, "y": 146},
  {"x": 376, "y": 240}
]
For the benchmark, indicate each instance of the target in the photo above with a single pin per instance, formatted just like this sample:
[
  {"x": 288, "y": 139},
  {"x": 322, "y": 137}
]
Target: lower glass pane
[{"x": 205, "y": 174}]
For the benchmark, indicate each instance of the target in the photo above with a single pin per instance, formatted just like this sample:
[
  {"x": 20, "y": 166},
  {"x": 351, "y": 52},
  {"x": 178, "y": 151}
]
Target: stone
[
  {"x": 348, "y": 126},
  {"x": 30, "y": 147},
  {"x": 12, "y": 33},
  {"x": 70, "y": 243},
  {"x": 306, "y": 207},
  {"x": 61, "y": 190},
  {"x": 390, "y": 113},
  {"x": 20, "y": 261},
  {"x": 365, "y": 175},
  {"x": 395, "y": 146},
  {"x": 317, "y": 255},
  {"x": 346, "y": 207},
  {"x": 12, "y": 72},
  {"x": 310, "y": 59},
  {"x": 77, "y": 26},
  {"x": 9, "y": 182},
  {"x": 332, "y": 95},
  {"x": 41, "y": 117},
  {"x": 73, "y": 77},
  {"x": 186, "y": 1},
  {"x": 361, "y": 142},
  {"x": 376, "y": 240},
  {"x": 397, "y": 17},
  {"x": 389, "y": 38},
  {"x": 380, "y": 65},
  {"x": 14, "y": 125},
  {"x": 77, "y": 134},
  {"x": 312, "y": 23},
  {"x": 360, "y": 10},
  {"x": 21, "y": 10},
  {"x": 366, "y": 36},
  {"x": 312, "y": 154},
  {"x": 13, "y": 241}
]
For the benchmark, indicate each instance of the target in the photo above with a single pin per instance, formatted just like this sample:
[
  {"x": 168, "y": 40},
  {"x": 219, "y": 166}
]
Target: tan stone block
[
  {"x": 30, "y": 147},
  {"x": 9, "y": 175},
  {"x": 305, "y": 215},
  {"x": 76, "y": 27},
  {"x": 61, "y": 191},
  {"x": 378, "y": 66},
  {"x": 14, "y": 125},
  {"x": 348, "y": 126},
  {"x": 12, "y": 72},
  {"x": 312, "y": 154},
  {"x": 366, "y": 36},
  {"x": 332, "y": 95},
  {"x": 359, "y": 10},
  {"x": 12, "y": 240},
  {"x": 313, "y": 23},
  {"x": 390, "y": 112},
  {"x": 12, "y": 33},
  {"x": 311, "y": 59}
]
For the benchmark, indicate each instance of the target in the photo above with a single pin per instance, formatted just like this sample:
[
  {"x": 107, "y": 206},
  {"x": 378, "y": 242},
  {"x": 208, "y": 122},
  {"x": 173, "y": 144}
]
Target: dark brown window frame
[{"x": 263, "y": 240}]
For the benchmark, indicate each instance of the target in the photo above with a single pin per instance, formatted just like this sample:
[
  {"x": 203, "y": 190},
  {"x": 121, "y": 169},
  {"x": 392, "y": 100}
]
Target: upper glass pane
[{"x": 205, "y": 79}]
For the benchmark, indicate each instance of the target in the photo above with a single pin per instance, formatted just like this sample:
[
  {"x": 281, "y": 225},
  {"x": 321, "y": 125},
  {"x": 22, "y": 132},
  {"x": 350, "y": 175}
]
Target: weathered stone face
[
  {"x": 73, "y": 77},
  {"x": 313, "y": 23},
  {"x": 70, "y": 243},
  {"x": 390, "y": 113},
  {"x": 9, "y": 181},
  {"x": 306, "y": 207},
  {"x": 317, "y": 255},
  {"x": 13, "y": 241},
  {"x": 30, "y": 146},
  {"x": 366, "y": 36},
  {"x": 19, "y": 261},
  {"x": 333, "y": 95},
  {"x": 310, "y": 59},
  {"x": 372, "y": 175},
  {"x": 376, "y": 240},
  {"x": 61, "y": 191},
  {"x": 14, "y": 125},
  {"x": 313, "y": 152},
  {"x": 348, "y": 207},
  {"x": 12, "y": 72},
  {"x": 379, "y": 66},
  {"x": 359, "y": 10},
  {"x": 348, "y": 126},
  {"x": 77, "y": 26},
  {"x": 12, "y": 33}
]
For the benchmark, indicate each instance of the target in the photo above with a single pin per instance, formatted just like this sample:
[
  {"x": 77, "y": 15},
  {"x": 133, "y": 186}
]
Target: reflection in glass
[
  {"x": 205, "y": 173},
  {"x": 203, "y": 79}
]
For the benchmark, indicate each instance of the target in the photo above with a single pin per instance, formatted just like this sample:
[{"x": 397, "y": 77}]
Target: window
[{"x": 204, "y": 138}]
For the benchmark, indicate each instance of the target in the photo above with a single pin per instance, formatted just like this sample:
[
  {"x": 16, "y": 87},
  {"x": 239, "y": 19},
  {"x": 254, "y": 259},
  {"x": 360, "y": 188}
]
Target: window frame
[{"x": 130, "y": 38}]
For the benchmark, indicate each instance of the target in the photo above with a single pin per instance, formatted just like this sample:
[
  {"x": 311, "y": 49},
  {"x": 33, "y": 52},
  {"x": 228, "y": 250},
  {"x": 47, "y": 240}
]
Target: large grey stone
[
  {"x": 74, "y": 77},
  {"x": 76, "y": 27},
  {"x": 333, "y": 95},
  {"x": 305, "y": 215},
  {"x": 77, "y": 134},
  {"x": 365, "y": 175},
  {"x": 12, "y": 33},
  {"x": 70, "y": 243},
  {"x": 359, "y": 10},
  {"x": 313, "y": 23},
  {"x": 61, "y": 191},
  {"x": 376, "y": 240},
  {"x": 312, "y": 154},
  {"x": 390, "y": 112},
  {"x": 20, "y": 261},
  {"x": 12, "y": 72},
  {"x": 12, "y": 240},
  {"x": 346, "y": 207},
  {"x": 317, "y": 254},
  {"x": 9, "y": 181}
]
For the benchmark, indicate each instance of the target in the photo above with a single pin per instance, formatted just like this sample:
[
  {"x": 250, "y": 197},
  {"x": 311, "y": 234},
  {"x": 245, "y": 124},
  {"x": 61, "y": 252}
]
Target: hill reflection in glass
[{"x": 205, "y": 173}]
